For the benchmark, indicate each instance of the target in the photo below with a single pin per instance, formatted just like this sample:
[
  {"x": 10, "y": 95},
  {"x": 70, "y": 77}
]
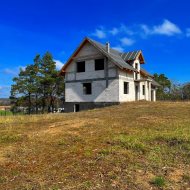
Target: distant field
[
  {"x": 131, "y": 146},
  {"x": 3, "y": 113}
]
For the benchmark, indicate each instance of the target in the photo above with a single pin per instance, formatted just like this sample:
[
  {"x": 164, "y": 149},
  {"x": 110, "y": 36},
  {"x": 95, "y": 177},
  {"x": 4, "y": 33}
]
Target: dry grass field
[{"x": 131, "y": 146}]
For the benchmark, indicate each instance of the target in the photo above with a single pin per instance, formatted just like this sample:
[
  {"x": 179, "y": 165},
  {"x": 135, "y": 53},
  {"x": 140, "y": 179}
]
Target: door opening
[
  {"x": 76, "y": 108},
  {"x": 152, "y": 95},
  {"x": 136, "y": 92}
]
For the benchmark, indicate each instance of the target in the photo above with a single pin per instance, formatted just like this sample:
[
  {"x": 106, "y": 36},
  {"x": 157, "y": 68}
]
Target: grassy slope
[{"x": 131, "y": 146}]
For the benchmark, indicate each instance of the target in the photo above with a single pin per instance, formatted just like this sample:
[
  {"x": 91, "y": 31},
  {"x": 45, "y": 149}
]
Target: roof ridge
[
  {"x": 103, "y": 44},
  {"x": 132, "y": 51},
  {"x": 139, "y": 50}
]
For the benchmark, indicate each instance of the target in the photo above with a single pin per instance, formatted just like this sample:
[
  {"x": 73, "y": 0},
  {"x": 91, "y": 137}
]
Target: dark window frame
[
  {"x": 80, "y": 66},
  {"x": 136, "y": 66},
  {"x": 99, "y": 64},
  {"x": 143, "y": 89},
  {"x": 87, "y": 88},
  {"x": 126, "y": 87},
  {"x": 136, "y": 76}
]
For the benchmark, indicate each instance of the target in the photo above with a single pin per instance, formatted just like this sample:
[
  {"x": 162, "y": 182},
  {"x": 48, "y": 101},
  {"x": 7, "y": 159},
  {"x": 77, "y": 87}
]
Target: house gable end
[
  {"x": 85, "y": 50},
  {"x": 88, "y": 50},
  {"x": 100, "y": 50}
]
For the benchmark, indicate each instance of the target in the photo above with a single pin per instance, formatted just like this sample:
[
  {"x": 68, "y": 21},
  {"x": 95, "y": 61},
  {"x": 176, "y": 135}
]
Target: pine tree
[
  {"x": 24, "y": 86},
  {"x": 38, "y": 85},
  {"x": 163, "y": 91},
  {"x": 37, "y": 91},
  {"x": 48, "y": 75}
]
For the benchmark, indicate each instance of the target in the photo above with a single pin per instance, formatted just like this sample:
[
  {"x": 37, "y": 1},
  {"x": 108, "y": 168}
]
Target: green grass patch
[
  {"x": 158, "y": 181},
  {"x": 62, "y": 142},
  {"x": 87, "y": 185},
  {"x": 2, "y": 179},
  {"x": 5, "y": 113},
  {"x": 130, "y": 142},
  {"x": 10, "y": 138}
]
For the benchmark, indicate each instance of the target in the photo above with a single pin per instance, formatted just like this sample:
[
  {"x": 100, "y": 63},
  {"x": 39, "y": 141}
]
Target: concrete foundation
[{"x": 80, "y": 106}]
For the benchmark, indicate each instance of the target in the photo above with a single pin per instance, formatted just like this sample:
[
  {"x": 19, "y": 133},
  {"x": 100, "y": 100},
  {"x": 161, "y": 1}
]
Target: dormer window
[
  {"x": 80, "y": 66},
  {"x": 136, "y": 76},
  {"x": 136, "y": 66},
  {"x": 99, "y": 64}
]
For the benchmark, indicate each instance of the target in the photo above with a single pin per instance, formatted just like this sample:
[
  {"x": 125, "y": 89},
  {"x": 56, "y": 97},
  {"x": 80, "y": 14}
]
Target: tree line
[
  {"x": 38, "y": 87},
  {"x": 171, "y": 91}
]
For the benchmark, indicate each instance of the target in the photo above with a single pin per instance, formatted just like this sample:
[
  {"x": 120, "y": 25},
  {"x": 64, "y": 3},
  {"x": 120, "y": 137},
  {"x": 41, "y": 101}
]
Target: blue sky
[{"x": 161, "y": 28}]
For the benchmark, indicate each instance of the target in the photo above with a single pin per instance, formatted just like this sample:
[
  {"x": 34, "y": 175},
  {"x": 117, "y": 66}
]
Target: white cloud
[
  {"x": 166, "y": 28},
  {"x": 124, "y": 29},
  {"x": 114, "y": 31},
  {"x": 59, "y": 64},
  {"x": 146, "y": 29},
  {"x": 127, "y": 41},
  {"x": 10, "y": 71},
  {"x": 13, "y": 71},
  {"x": 188, "y": 32},
  {"x": 126, "y": 35},
  {"x": 118, "y": 48},
  {"x": 100, "y": 33}
]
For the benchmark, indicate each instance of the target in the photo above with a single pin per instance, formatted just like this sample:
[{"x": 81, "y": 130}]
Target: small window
[
  {"x": 87, "y": 88},
  {"x": 99, "y": 64},
  {"x": 136, "y": 76},
  {"x": 136, "y": 66},
  {"x": 143, "y": 89},
  {"x": 80, "y": 66},
  {"x": 126, "y": 88}
]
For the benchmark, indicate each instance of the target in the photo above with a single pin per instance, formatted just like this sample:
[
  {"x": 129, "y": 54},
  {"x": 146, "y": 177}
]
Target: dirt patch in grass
[
  {"x": 4, "y": 153},
  {"x": 68, "y": 127},
  {"x": 176, "y": 175}
]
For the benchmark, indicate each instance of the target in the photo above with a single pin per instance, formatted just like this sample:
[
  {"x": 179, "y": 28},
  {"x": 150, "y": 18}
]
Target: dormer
[
  {"x": 137, "y": 66},
  {"x": 130, "y": 57},
  {"x": 135, "y": 59}
]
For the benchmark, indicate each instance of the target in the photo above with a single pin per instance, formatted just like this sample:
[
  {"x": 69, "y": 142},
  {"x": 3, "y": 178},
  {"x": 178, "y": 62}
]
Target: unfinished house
[{"x": 97, "y": 75}]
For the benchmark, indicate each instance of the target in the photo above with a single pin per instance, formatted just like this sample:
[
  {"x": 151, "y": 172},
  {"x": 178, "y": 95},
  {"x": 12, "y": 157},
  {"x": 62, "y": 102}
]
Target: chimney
[{"x": 108, "y": 47}]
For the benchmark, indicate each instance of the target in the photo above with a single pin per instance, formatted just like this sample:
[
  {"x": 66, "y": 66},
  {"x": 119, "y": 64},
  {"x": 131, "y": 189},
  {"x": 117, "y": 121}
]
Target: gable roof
[
  {"x": 118, "y": 58},
  {"x": 130, "y": 56}
]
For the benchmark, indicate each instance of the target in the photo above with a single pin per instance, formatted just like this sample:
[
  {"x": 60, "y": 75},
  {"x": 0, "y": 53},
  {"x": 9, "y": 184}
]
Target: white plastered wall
[{"x": 126, "y": 77}]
